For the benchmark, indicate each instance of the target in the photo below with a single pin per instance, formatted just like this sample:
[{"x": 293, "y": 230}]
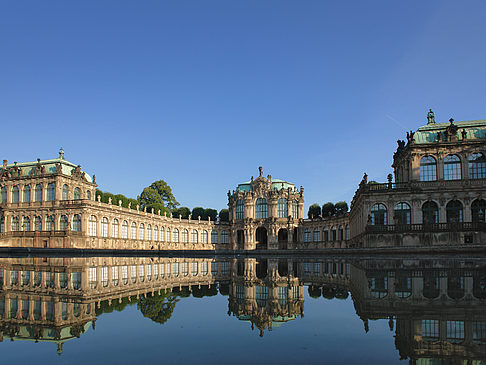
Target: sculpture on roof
[
  {"x": 261, "y": 171},
  {"x": 430, "y": 117},
  {"x": 61, "y": 154}
]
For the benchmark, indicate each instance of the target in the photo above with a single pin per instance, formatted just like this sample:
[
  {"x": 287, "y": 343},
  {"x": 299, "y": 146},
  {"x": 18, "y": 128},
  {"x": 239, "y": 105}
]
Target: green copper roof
[
  {"x": 277, "y": 184},
  {"x": 475, "y": 129}
]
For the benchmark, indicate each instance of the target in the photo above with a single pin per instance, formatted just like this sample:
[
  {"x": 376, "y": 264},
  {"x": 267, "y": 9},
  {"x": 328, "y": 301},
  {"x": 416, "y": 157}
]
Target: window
[
  {"x": 430, "y": 213},
  {"x": 478, "y": 209},
  {"x": 261, "y": 208},
  {"x": 378, "y": 215},
  {"x": 92, "y": 226},
  {"x": 51, "y": 192},
  {"x": 15, "y": 224},
  {"x": 104, "y": 227},
  {"x": 402, "y": 213},
  {"x": 283, "y": 208},
  {"x": 347, "y": 232},
  {"x": 224, "y": 236},
  {"x": 88, "y": 194},
  {"x": 214, "y": 237},
  {"x": 133, "y": 231},
  {"x": 141, "y": 275},
  {"x": 156, "y": 233},
  {"x": 452, "y": 168},
  {"x": 124, "y": 232},
  {"x": 38, "y": 223},
  {"x": 194, "y": 236},
  {"x": 333, "y": 234},
  {"x": 141, "y": 231},
  {"x": 104, "y": 276},
  {"x": 149, "y": 272},
  {"x": 149, "y": 232},
  {"x": 325, "y": 235},
  {"x": 175, "y": 235},
  {"x": 77, "y": 194},
  {"x": 125, "y": 275},
  {"x": 26, "y": 223},
  {"x": 477, "y": 166},
  {"x": 240, "y": 210},
  {"x": 316, "y": 236},
  {"x": 428, "y": 169},
  {"x": 295, "y": 209},
  {"x": 168, "y": 235},
  {"x": 50, "y": 223},
  {"x": 175, "y": 269},
  {"x": 15, "y": 194},
  {"x": 307, "y": 235},
  {"x": 63, "y": 223},
  {"x": 204, "y": 236},
  {"x": 479, "y": 332},
  {"x": 162, "y": 233},
  {"x": 133, "y": 273},
  {"x": 454, "y": 211},
  {"x": 430, "y": 329},
  {"x": 185, "y": 236},
  {"x": 26, "y": 197},
  {"x": 156, "y": 271},
  {"x": 114, "y": 228},
  {"x": 65, "y": 191},
  {"x": 455, "y": 331},
  {"x": 38, "y": 193},
  {"x": 92, "y": 277},
  {"x": 185, "y": 268},
  {"x": 77, "y": 223}
]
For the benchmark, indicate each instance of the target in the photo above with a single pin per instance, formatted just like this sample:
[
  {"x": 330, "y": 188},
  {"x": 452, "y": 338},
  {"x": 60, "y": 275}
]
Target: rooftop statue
[{"x": 430, "y": 117}]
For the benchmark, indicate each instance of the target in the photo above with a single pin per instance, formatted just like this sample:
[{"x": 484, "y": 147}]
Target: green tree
[
  {"x": 328, "y": 209},
  {"x": 123, "y": 199},
  {"x": 210, "y": 213},
  {"x": 224, "y": 215},
  {"x": 134, "y": 203},
  {"x": 341, "y": 207},
  {"x": 314, "y": 211},
  {"x": 314, "y": 291},
  {"x": 165, "y": 192},
  {"x": 197, "y": 212},
  {"x": 149, "y": 197},
  {"x": 158, "y": 308},
  {"x": 98, "y": 193},
  {"x": 183, "y": 212}
]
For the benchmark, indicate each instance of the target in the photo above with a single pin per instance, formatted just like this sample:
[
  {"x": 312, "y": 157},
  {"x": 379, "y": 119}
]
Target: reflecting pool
[{"x": 238, "y": 310}]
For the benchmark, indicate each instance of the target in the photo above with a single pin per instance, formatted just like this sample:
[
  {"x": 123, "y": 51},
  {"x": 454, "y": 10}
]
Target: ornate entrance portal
[
  {"x": 261, "y": 238},
  {"x": 283, "y": 238}
]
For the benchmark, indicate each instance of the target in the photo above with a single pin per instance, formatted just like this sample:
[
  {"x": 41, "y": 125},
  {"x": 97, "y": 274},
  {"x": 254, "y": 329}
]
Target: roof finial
[
  {"x": 61, "y": 154},
  {"x": 430, "y": 117},
  {"x": 261, "y": 170}
]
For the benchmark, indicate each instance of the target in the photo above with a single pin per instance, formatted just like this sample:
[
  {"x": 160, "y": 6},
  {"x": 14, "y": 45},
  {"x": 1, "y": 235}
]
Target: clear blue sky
[{"x": 200, "y": 93}]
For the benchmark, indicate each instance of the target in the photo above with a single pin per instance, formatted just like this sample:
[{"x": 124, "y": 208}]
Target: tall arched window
[
  {"x": 51, "y": 192},
  {"x": 133, "y": 231},
  {"x": 428, "y": 169},
  {"x": 452, "y": 168},
  {"x": 15, "y": 224},
  {"x": 92, "y": 226},
  {"x": 63, "y": 223},
  {"x": 168, "y": 235},
  {"x": 156, "y": 233},
  {"x": 477, "y": 166},
  {"x": 295, "y": 209},
  {"x": 347, "y": 232},
  {"x": 341, "y": 233},
  {"x": 214, "y": 237},
  {"x": 65, "y": 191},
  {"x": 162, "y": 234},
  {"x": 194, "y": 236},
  {"x": 283, "y": 208},
  {"x": 26, "y": 223},
  {"x": 204, "y": 236},
  {"x": 307, "y": 235},
  {"x": 38, "y": 193},
  {"x": 3, "y": 195},
  {"x": 224, "y": 237},
  {"x": 175, "y": 235},
  {"x": 454, "y": 211},
  {"x": 15, "y": 194},
  {"x": 240, "y": 210},
  {"x": 50, "y": 223},
  {"x": 88, "y": 194},
  {"x": 402, "y": 213},
  {"x": 38, "y": 223},
  {"x": 114, "y": 228},
  {"x": 149, "y": 233},
  {"x": 124, "y": 232},
  {"x": 77, "y": 193},
  {"x": 26, "y": 197},
  {"x": 77, "y": 223},
  {"x": 141, "y": 231},
  {"x": 104, "y": 227},
  {"x": 261, "y": 208},
  {"x": 185, "y": 236},
  {"x": 430, "y": 213},
  {"x": 378, "y": 215},
  {"x": 478, "y": 210}
]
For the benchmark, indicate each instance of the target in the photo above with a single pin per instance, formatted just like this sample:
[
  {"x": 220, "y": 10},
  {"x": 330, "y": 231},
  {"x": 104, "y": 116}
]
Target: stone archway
[
  {"x": 261, "y": 238},
  {"x": 240, "y": 238},
  {"x": 283, "y": 238}
]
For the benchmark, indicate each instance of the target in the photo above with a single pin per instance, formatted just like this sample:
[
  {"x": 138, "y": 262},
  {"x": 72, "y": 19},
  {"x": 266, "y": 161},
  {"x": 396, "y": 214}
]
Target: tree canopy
[
  {"x": 314, "y": 211},
  {"x": 341, "y": 207},
  {"x": 183, "y": 212},
  {"x": 158, "y": 196},
  {"x": 328, "y": 209},
  {"x": 158, "y": 308},
  {"x": 224, "y": 215},
  {"x": 197, "y": 212}
]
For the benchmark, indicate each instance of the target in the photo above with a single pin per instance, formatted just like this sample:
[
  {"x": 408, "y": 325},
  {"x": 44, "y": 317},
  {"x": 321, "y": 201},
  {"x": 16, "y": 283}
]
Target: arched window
[
  {"x": 194, "y": 268},
  {"x": 168, "y": 235},
  {"x": 454, "y": 211},
  {"x": 185, "y": 236},
  {"x": 477, "y": 166},
  {"x": 307, "y": 235},
  {"x": 133, "y": 231},
  {"x": 325, "y": 235},
  {"x": 63, "y": 222},
  {"x": 402, "y": 213},
  {"x": 378, "y": 215},
  {"x": 295, "y": 209},
  {"x": 283, "y": 208},
  {"x": 26, "y": 197},
  {"x": 104, "y": 227},
  {"x": 77, "y": 223},
  {"x": 162, "y": 234},
  {"x": 88, "y": 194},
  {"x": 347, "y": 232},
  {"x": 15, "y": 194},
  {"x": 50, "y": 223},
  {"x": 240, "y": 210},
  {"x": 430, "y": 213},
  {"x": 156, "y": 233},
  {"x": 15, "y": 224},
  {"x": 214, "y": 237},
  {"x": 224, "y": 237},
  {"x": 2, "y": 224},
  {"x": 428, "y": 169},
  {"x": 38, "y": 223},
  {"x": 149, "y": 232},
  {"x": 175, "y": 235},
  {"x": 77, "y": 194},
  {"x": 194, "y": 236},
  {"x": 92, "y": 226},
  {"x": 316, "y": 236},
  {"x": 452, "y": 168},
  {"x": 26, "y": 223},
  {"x": 333, "y": 234},
  {"x": 51, "y": 192},
  {"x": 114, "y": 228},
  {"x": 478, "y": 210},
  {"x": 204, "y": 236},
  {"x": 3, "y": 195},
  {"x": 65, "y": 192},
  {"x": 38, "y": 193},
  {"x": 124, "y": 232},
  {"x": 261, "y": 208},
  {"x": 141, "y": 231}
]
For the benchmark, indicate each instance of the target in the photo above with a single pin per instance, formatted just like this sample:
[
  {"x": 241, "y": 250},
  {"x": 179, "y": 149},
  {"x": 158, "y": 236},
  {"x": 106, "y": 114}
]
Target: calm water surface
[{"x": 178, "y": 310}]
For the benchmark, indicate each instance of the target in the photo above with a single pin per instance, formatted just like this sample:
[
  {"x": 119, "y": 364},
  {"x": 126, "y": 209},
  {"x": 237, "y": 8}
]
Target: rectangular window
[
  {"x": 316, "y": 236},
  {"x": 479, "y": 332},
  {"x": 455, "y": 331},
  {"x": 92, "y": 277}
]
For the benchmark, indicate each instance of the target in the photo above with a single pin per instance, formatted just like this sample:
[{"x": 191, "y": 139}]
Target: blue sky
[{"x": 200, "y": 93}]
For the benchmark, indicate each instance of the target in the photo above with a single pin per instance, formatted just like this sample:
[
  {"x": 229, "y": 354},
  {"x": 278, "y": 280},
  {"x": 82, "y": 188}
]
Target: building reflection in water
[{"x": 434, "y": 306}]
